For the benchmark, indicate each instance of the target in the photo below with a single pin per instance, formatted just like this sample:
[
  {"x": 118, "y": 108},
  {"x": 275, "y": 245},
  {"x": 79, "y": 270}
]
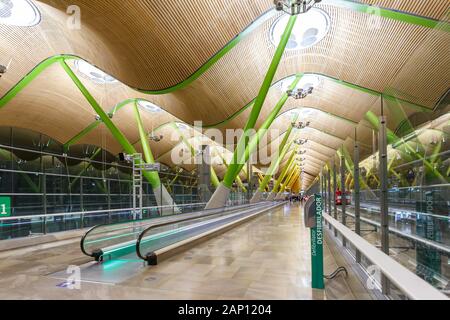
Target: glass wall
[
  {"x": 38, "y": 178},
  {"x": 414, "y": 191}
]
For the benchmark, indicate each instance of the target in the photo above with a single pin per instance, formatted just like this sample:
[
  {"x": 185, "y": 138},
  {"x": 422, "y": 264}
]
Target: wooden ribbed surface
[
  {"x": 147, "y": 45},
  {"x": 158, "y": 44},
  {"x": 436, "y": 9}
]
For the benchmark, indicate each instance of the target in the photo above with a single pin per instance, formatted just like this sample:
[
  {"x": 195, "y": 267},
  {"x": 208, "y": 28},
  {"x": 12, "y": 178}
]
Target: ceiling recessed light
[
  {"x": 310, "y": 28},
  {"x": 20, "y": 13},
  {"x": 148, "y": 106},
  {"x": 92, "y": 73}
]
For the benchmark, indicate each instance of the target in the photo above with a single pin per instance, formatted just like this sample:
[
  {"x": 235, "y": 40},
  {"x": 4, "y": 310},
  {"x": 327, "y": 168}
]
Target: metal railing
[{"x": 404, "y": 280}]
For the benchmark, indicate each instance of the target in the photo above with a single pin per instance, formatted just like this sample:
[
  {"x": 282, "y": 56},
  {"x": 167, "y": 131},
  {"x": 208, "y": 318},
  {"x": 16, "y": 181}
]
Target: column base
[
  {"x": 163, "y": 198},
  {"x": 219, "y": 198},
  {"x": 257, "y": 197},
  {"x": 271, "y": 196}
]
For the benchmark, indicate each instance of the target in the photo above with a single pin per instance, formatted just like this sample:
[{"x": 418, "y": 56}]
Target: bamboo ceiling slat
[
  {"x": 436, "y": 9},
  {"x": 410, "y": 61},
  {"x": 157, "y": 44},
  {"x": 36, "y": 108}
]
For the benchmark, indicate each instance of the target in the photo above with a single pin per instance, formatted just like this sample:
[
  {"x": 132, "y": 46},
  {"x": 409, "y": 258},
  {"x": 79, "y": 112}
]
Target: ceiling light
[
  {"x": 20, "y": 13},
  {"x": 307, "y": 81},
  {"x": 92, "y": 73},
  {"x": 294, "y": 7},
  {"x": 309, "y": 30},
  {"x": 148, "y": 106}
]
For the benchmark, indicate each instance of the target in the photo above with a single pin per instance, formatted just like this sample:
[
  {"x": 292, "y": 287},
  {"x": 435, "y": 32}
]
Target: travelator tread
[{"x": 120, "y": 238}]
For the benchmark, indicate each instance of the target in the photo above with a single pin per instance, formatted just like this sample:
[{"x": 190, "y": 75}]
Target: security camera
[{"x": 3, "y": 70}]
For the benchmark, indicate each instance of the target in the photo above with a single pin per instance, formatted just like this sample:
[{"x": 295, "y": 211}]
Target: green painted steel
[
  {"x": 184, "y": 139},
  {"x": 274, "y": 166},
  {"x": 238, "y": 178},
  {"x": 387, "y": 13},
  {"x": 317, "y": 238},
  {"x": 33, "y": 74},
  {"x": 118, "y": 135},
  {"x": 81, "y": 134},
  {"x": 74, "y": 181},
  {"x": 214, "y": 179},
  {"x": 394, "y": 15},
  {"x": 286, "y": 169},
  {"x": 281, "y": 153},
  {"x": 340, "y": 82},
  {"x": 392, "y": 138},
  {"x": 289, "y": 178},
  {"x": 148, "y": 155},
  {"x": 235, "y": 164},
  {"x": 250, "y": 148}
]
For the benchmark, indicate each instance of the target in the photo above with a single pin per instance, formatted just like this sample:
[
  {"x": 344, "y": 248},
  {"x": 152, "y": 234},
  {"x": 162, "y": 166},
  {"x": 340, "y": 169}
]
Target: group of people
[{"x": 297, "y": 198}]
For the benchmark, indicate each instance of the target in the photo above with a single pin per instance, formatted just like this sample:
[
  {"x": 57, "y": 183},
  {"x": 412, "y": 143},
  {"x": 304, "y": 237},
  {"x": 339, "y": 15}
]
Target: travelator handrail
[
  {"x": 151, "y": 222},
  {"x": 143, "y": 233},
  {"x": 442, "y": 248},
  {"x": 83, "y": 213},
  {"x": 91, "y": 230},
  {"x": 407, "y": 282},
  {"x": 393, "y": 209}
]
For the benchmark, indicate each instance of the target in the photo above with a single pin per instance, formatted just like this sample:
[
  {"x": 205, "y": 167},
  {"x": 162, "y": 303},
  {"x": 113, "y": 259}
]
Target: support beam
[
  {"x": 283, "y": 174},
  {"x": 161, "y": 194},
  {"x": 280, "y": 154},
  {"x": 250, "y": 149},
  {"x": 219, "y": 200}
]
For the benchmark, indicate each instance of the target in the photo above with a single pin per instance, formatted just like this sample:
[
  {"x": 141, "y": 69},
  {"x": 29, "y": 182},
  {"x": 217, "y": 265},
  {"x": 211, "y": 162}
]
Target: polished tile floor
[{"x": 266, "y": 258}]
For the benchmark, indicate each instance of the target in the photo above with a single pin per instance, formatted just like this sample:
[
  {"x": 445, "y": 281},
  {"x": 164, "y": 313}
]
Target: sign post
[
  {"x": 5, "y": 207},
  {"x": 314, "y": 221}
]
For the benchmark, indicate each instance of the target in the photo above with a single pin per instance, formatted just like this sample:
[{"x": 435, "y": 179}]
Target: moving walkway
[{"x": 143, "y": 238}]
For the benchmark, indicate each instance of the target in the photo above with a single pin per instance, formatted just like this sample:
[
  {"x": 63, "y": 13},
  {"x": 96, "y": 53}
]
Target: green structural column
[
  {"x": 161, "y": 194},
  {"x": 276, "y": 192},
  {"x": 222, "y": 193},
  {"x": 245, "y": 156},
  {"x": 274, "y": 165},
  {"x": 392, "y": 138},
  {"x": 214, "y": 178},
  {"x": 148, "y": 155}
]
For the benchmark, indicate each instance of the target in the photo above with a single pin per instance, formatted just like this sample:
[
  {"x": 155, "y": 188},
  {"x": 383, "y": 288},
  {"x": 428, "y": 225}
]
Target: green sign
[
  {"x": 5, "y": 207},
  {"x": 317, "y": 246},
  {"x": 428, "y": 260}
]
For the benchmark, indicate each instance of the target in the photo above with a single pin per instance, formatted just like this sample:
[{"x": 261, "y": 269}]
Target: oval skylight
[
  {"x": 148, "y": 106},
  {"x": 92, "y": 73},
  {"x": 310, "y": 28},
  {"x": 19, "y": 13}
]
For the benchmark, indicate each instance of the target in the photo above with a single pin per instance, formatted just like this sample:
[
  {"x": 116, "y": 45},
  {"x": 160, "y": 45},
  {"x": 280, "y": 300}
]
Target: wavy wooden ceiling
[{"x": 150, "y": 46}]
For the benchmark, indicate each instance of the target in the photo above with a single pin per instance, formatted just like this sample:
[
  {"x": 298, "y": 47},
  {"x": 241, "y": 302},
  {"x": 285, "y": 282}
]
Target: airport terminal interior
[{"x": 224, "y": 150}]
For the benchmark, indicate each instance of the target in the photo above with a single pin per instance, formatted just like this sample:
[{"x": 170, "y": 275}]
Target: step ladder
[{"x": 137, "y": 186}]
